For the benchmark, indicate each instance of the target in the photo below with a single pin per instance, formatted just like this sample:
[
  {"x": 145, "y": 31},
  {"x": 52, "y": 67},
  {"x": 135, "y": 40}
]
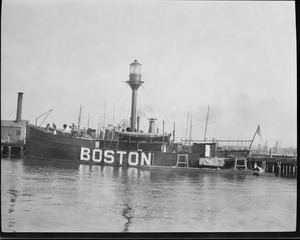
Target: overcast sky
[{"x": 237, "y": 57}]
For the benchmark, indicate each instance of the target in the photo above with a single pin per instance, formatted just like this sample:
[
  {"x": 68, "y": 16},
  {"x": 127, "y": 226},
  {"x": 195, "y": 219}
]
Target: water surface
[{"x": 40, "y": 196}]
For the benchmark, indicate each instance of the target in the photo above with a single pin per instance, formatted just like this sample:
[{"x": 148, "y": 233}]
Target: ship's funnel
[
  {"x": 151, "y": 125},
  {"x": 138, "y": 123},
  {"x": 19, "y": 106}
]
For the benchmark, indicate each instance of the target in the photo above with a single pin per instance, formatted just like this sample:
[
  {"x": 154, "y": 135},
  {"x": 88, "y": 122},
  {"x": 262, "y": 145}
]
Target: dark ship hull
[
  {"x": 129, "y": 147},
  {"x": 47, "y": 146}
]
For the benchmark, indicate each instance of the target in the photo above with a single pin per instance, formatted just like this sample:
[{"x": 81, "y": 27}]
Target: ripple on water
[{"x": 37, "y": 197}]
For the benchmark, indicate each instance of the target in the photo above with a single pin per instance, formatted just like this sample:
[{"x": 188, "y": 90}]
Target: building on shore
[{"x": 13, "y": 132}]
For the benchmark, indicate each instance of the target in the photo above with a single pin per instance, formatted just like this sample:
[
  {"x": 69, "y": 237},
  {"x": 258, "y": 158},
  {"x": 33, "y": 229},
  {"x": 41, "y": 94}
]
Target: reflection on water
[
  {"x": 32, "y": 164},
  {"x": 41, "y": 196},
  {"x": 127, "y": 214},
  {"x": 13, "y": 197}
]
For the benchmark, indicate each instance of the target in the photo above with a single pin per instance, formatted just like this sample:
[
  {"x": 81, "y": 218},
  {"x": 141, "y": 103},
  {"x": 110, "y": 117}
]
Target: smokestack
[
  {"x": 151, "y": 125},
  {"x": 138, "y": 123},
  {"x": 19, "y": 107}
]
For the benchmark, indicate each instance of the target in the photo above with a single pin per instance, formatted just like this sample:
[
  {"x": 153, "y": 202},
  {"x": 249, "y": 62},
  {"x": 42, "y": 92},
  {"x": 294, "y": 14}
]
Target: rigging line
[
  {"x": 120, "y": 97},
  {"x": 48, "y": 112},
  {"x": 122, "y": 111},
  {"x": 157, "y": 108},
  {"x": 154, "y": 104},
  {"x": 116, "y": 97},
  {"x": 143, "y": 116},
  {"x": 120, "y": 94}
]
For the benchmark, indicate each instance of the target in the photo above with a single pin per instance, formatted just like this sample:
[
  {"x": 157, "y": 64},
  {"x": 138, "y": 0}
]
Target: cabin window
[{"x": 18, "y": 132}]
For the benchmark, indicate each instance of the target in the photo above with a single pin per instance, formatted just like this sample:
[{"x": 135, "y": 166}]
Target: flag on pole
[{"x": 259, "y": 132}]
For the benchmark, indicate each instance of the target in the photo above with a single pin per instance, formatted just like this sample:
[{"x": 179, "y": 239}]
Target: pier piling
[{"x": 283, "y": 166}]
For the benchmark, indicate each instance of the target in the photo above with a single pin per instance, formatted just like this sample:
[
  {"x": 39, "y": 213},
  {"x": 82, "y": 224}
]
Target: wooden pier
[
  {"x": 280, "y": 165},
  {"x": 9, "y": 149}
]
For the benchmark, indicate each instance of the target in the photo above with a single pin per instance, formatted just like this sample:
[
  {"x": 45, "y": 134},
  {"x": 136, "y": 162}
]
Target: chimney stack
[
  {"x": 151, "y": 125},
  {"x": 19, "y": 107},
  {"x": 138, "y": 123}
]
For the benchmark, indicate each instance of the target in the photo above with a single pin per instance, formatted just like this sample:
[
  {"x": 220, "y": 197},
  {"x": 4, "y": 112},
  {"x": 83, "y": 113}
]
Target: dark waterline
[{"x": 40, "y": 196}]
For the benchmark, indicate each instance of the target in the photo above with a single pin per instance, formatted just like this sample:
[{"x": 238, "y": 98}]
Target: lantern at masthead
[
  {"x": 135, "y": 71},
  {"x": 135, "y": 76}
]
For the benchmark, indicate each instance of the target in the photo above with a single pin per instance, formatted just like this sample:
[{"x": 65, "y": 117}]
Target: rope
[
  {"x": 93, "y": 116},
  {"x": 121, "y": 107},
  {"x": 158, "y": 110}
]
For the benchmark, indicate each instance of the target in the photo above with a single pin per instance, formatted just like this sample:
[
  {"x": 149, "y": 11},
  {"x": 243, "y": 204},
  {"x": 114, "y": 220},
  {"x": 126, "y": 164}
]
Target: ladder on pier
[
  {"x": 237, "y": 162},
  {"x": 182, "y": 159}
]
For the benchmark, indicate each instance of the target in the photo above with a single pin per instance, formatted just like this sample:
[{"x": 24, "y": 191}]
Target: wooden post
[
  {"x": 279, "y": 170},
  {"x": 263, "y": 165},
  {"x": 293, "y": 172},
  {"x": 9, "y": 151},
  {"x": 284, "y": 175},
  {"x": 21, "y": 152}
]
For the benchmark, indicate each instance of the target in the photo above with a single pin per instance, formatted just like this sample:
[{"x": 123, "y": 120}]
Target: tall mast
[
  {"x": 163, "y": 131},
  {"x": 206, "y": 124},
  {"x": 186, "y": 129},
  {"x": 98, "y": 130},
  {"x": 79, "y": 117},
  {"x": 191, "y": 130},
  {"x": 88, "y": 121},
  {"x": 113, "y": 120},
  {"x": 134, "y": 82},
  {"x": 174, "y": 132},
  {"x": 104, "y": 115}
]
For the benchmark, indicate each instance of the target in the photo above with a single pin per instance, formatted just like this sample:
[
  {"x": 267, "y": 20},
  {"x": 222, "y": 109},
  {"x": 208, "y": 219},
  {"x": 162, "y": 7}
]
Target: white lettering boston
[
  {"x": 133, "y": 161},
  {"x": 110, "y": 156},
  {"x": 85, "y": 154}
]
